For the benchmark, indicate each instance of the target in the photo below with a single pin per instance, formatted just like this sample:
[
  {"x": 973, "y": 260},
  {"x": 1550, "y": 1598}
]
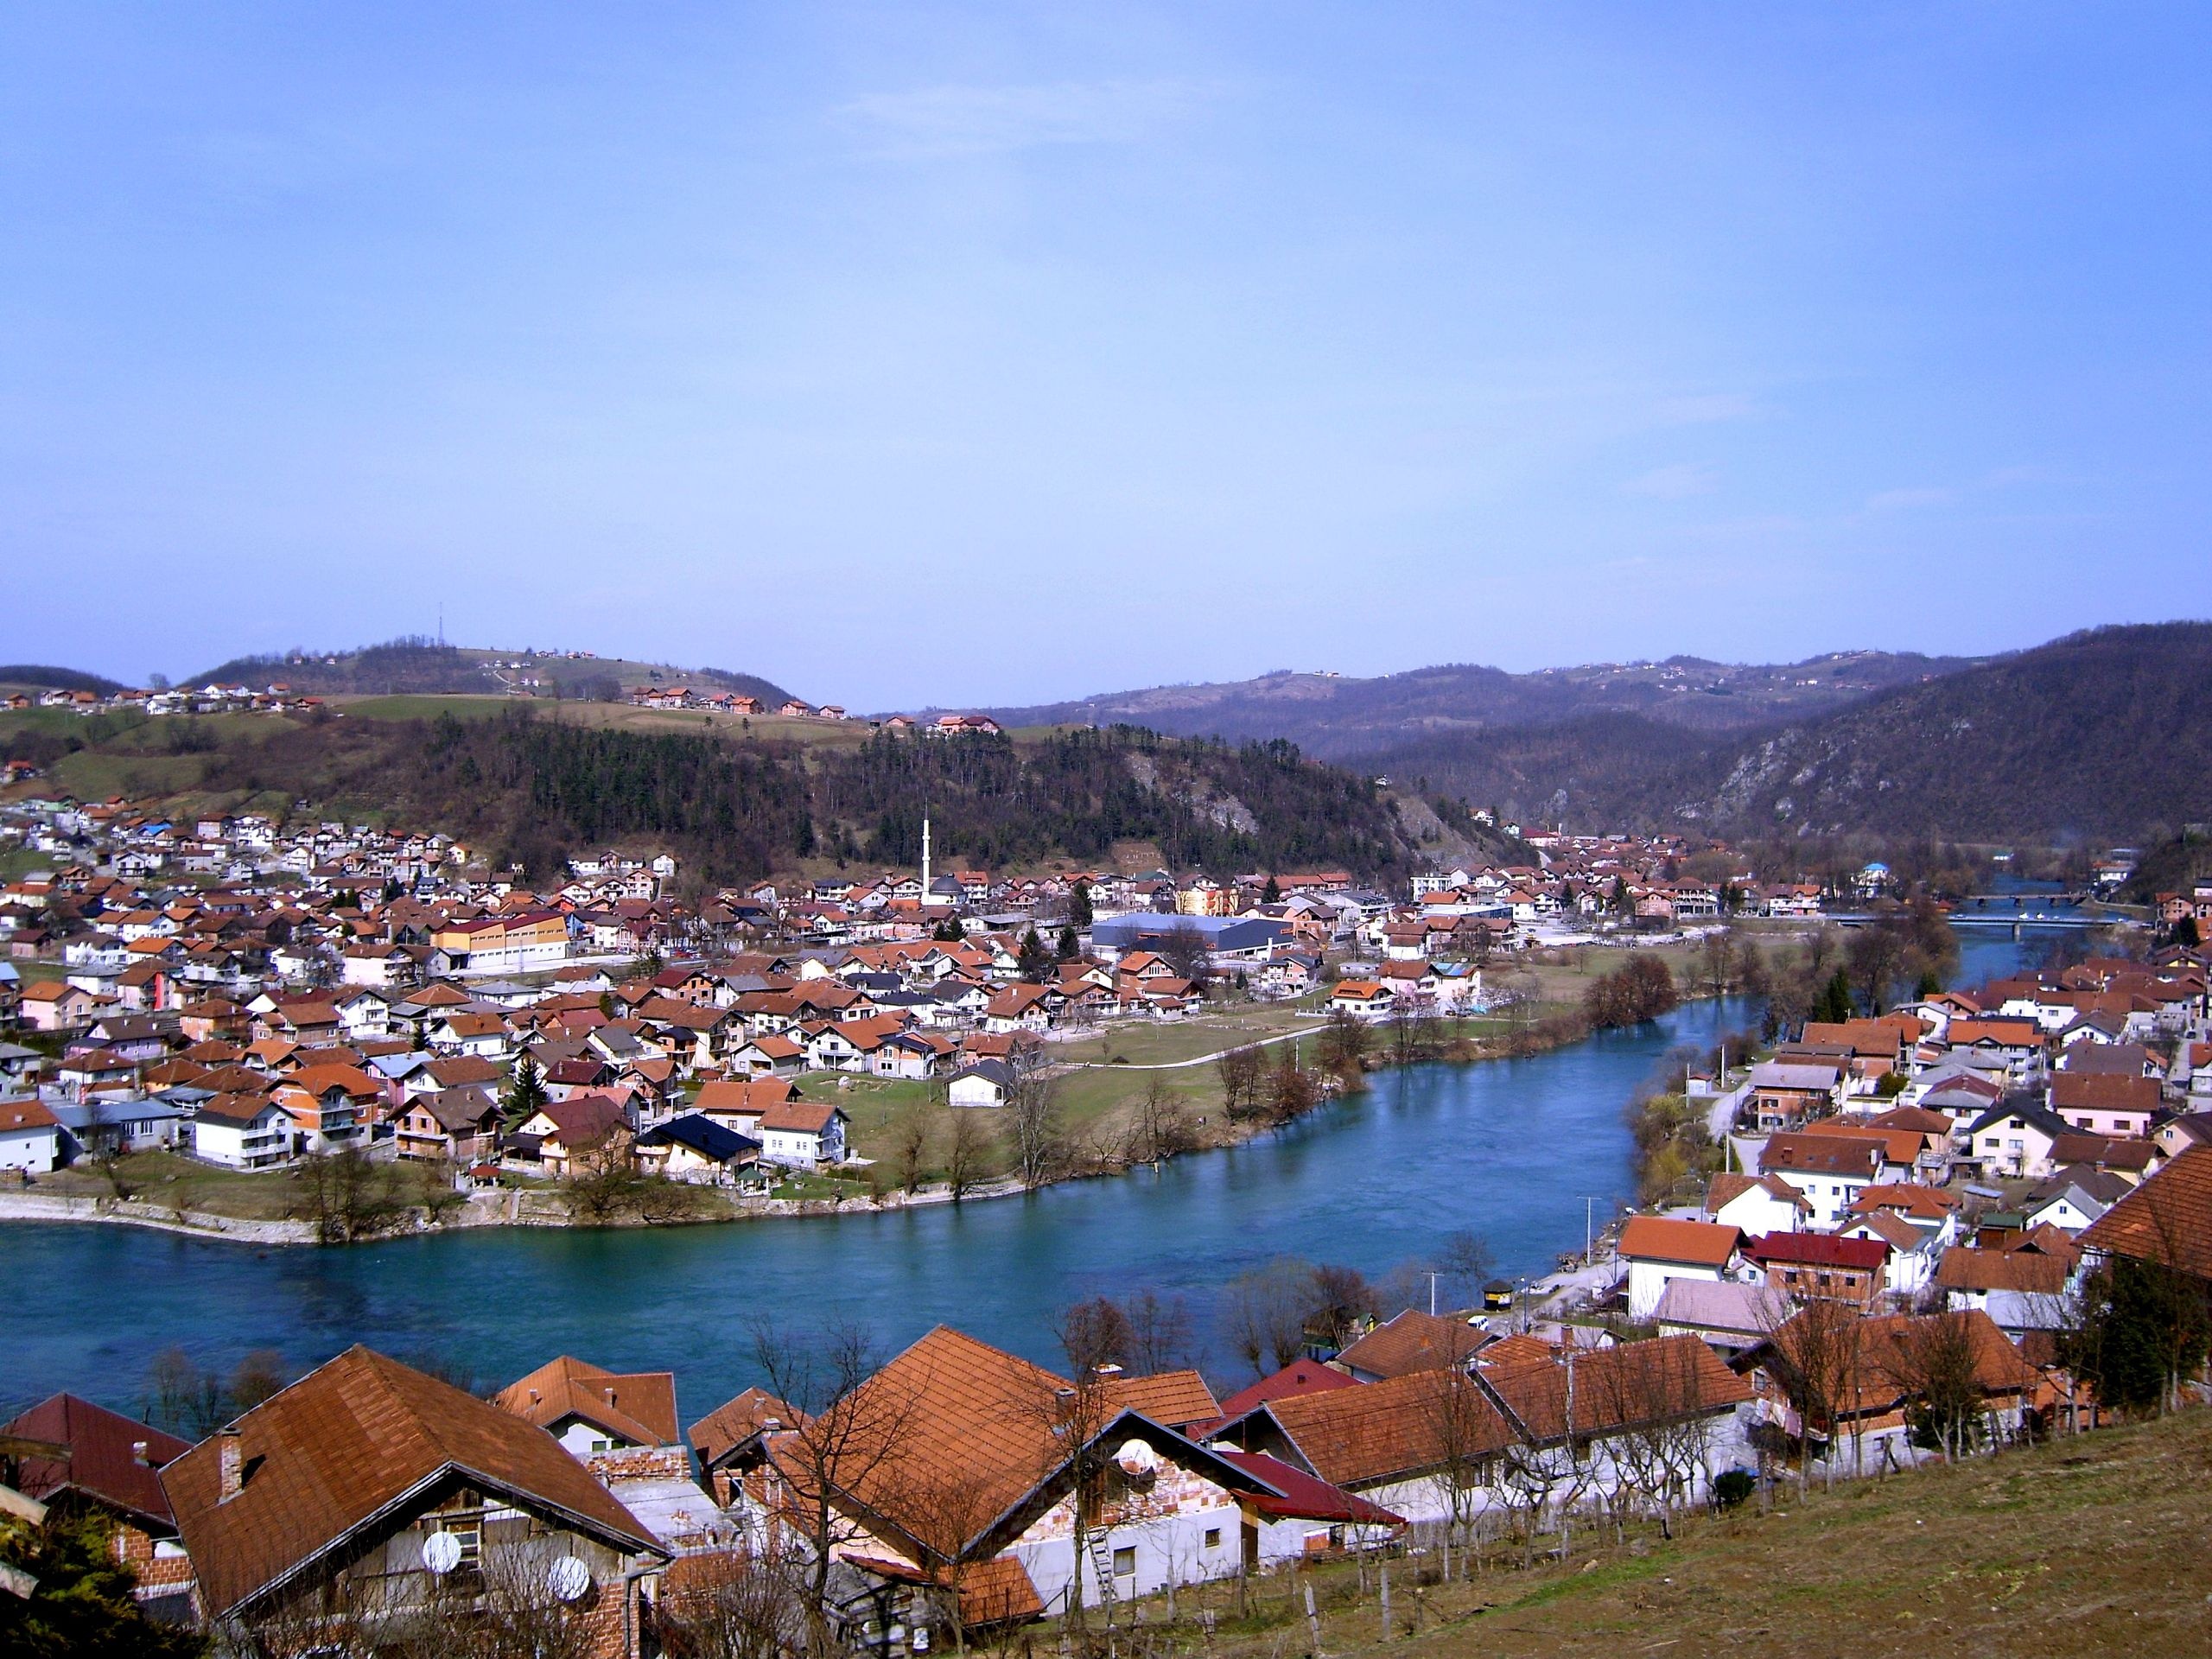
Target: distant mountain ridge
[
  {"x": 2101, "y": 735},
  {"x": 424, "y": 667},
  {"x": 1335, "y": 716}
]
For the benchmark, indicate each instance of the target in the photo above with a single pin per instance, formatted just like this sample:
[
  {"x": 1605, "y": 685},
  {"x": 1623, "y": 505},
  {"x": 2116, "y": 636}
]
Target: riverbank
[{"x": 264, "y": 1208}]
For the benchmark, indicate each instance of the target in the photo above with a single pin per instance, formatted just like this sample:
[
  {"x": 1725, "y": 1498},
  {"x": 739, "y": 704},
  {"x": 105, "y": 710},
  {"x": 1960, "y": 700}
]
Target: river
[{"x": 1509, "y": 1148}]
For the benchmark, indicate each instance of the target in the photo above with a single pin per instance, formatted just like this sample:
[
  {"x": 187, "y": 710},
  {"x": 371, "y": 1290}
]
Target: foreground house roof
[
  {"x": 349, "y": 1445},
  {"x": 2168, "y": 1219},
  {"x": 104, "y": 1460}
]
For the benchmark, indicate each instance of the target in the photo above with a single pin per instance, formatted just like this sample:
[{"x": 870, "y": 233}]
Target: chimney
[
  {"x": 772, "y": 1425},
  {"x": 138, "y": 1449},
  {"x": 230, "y": 1466},
  {"x": 1106, "y": 1372}
]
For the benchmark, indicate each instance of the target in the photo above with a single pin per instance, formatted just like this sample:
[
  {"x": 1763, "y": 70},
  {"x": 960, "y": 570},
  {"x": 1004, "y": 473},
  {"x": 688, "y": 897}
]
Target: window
[
  {"x": 1213, "y": 1538},
  {"x": 1125, "y": 1561}
]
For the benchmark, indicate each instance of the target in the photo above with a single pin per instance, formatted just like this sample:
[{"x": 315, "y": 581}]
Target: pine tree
[
  {"x": 1032, "y": 962},
  {"x": 525, "y": 1092},
  {"x": 1271, "y": 893},
  {"x": 1066, "y": 948},
  {"x": 1079, "y": 904},
  {"x": 1835, "y": 1005}
]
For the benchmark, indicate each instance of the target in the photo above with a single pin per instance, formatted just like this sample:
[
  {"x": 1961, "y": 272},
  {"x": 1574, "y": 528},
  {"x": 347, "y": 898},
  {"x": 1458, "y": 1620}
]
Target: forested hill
[
  {"x": 2103, "y": 735},
  {"x": 1335, "y": 715},
  {"x": 421, "y": 667},
  {"x": 532, "y": 788}
]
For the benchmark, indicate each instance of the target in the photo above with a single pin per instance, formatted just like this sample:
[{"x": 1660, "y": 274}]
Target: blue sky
[{"x": 941, "y": 354}]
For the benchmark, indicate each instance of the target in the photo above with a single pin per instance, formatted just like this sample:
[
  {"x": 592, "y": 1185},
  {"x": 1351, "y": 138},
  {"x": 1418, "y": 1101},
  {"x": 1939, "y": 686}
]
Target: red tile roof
[{"x": 342, "y": 1445}]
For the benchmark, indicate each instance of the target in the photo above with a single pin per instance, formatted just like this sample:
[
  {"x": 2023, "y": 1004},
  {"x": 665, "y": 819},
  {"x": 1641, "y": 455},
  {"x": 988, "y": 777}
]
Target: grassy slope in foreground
[{"x": 2088, "y": 1545}]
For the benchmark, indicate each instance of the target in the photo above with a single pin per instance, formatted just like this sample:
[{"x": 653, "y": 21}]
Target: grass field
[
  {"x": 2088, "y": 1545},
  {"x": 180, "y": 1183}
]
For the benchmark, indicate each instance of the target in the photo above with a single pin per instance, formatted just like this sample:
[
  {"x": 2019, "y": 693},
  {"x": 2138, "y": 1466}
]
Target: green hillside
[{"x": 2087, "y": 1546}]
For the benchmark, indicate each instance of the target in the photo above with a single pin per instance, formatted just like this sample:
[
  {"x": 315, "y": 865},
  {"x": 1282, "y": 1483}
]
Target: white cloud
[
  {"x": 951, "y": 121},
  {"x": 1675, "y": 483}
]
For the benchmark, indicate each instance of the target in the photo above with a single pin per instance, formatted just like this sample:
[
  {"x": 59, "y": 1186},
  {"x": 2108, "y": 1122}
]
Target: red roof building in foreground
[{"x": 110, "y": 1463}]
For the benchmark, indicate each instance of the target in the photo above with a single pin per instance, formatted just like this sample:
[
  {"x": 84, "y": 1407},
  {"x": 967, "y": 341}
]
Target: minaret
[{"x": 925, "y": 860}]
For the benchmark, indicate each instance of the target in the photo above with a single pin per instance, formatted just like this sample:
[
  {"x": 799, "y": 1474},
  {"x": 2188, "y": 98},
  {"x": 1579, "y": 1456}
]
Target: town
[{"x": 1924, "y": 1224}]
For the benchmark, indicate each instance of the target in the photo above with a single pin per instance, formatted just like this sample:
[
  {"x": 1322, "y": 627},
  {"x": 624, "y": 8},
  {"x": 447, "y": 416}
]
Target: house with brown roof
[
  {"x": 1867, "y": 1416},
  {"x": 30, "y": 1137},
  {"x": 1829, "y": 1170},
  {"x": 802, "y": 1133},
  {"x": 1526, "y": 1432},
  {"x": 2113, "y": 1104},
  {"x": 1658, "y": 1250},
  {"x": 2168, "y": 1219},
  {"x": 1410, "y": 1341},
  {"x": 111, "y": 1464},
  {"x": 621, "y": 1425},
  {"x": 368, "y": 1497},
  {"x": 1823, "y": 1265},
  {"x": 563, "y": 1134},
  {"x": 963, "y": 1460},
  {"x": 731, "y": 1440},
  {"x": 1755, "y": 1203}
]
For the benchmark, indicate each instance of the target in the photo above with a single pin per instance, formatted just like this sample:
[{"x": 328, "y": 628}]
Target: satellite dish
[
  {"x": 1137, "y": 1457},
  {"x": 442, "y": 1553},
  {"x": 569, "y": 1579}
]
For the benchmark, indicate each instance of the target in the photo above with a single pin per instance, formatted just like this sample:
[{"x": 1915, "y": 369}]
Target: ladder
[{"x": 1101, "y": 1544}]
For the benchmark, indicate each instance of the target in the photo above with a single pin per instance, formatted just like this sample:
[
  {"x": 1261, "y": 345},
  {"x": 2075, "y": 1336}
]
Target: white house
[
  {"x": 1659, "y": 1251},
  {"x": 30, "y": 1140},
  {"x": 241, "y": 1132},
  {"x": 984, "y": 1083},
  {"x": 803, "y": 1134},
  {"x": 1756, "y": 1204}
]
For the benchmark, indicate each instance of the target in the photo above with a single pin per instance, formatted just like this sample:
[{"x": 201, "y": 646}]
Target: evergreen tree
[
  {"x": 525, "y": 1092},
  {"x": 1066, "y": 948},
  {"x": 1271, "y": 893},
  {"x": 1079, "y": 904},
  {"x": 1032, "y": 962},
  {"x": 82, "y": 1606},
  {"x": 1834, "y": 1005}
]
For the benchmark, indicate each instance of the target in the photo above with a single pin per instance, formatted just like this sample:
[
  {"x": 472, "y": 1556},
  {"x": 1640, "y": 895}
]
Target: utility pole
[
  {"x": 1431, "y": 1275},
  {"x": 1589, "y": 1227}
]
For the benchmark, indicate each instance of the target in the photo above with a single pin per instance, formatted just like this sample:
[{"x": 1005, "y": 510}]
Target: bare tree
[
  {"x": 1344, "y": 1042},
  {"x": 852, "y": 1424},
  {"x": 730, "y": 1604},
  {"x": 1264, "y": 1314},
  {"x": 1935, "y": 1358},
  {"x": 1075, "y": 1417},
  {"x": 1816, "y": 1359},
  {"x": 1468, "y": 1262},
  {"x": 1096, "y": 1332},
  {"x": 967, "y": 1148},
  {"x": 1464, "y": 1433},
  {"x": 1653, "y": 1395},
  {"x": 1159, "y": 1332},
  {"x": 1240, "y": 1070},
  {"x": 1037, "y": 1141},
  {"x": 910, "y": 1150},
  {"x": 1161, "y": 1129}
]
